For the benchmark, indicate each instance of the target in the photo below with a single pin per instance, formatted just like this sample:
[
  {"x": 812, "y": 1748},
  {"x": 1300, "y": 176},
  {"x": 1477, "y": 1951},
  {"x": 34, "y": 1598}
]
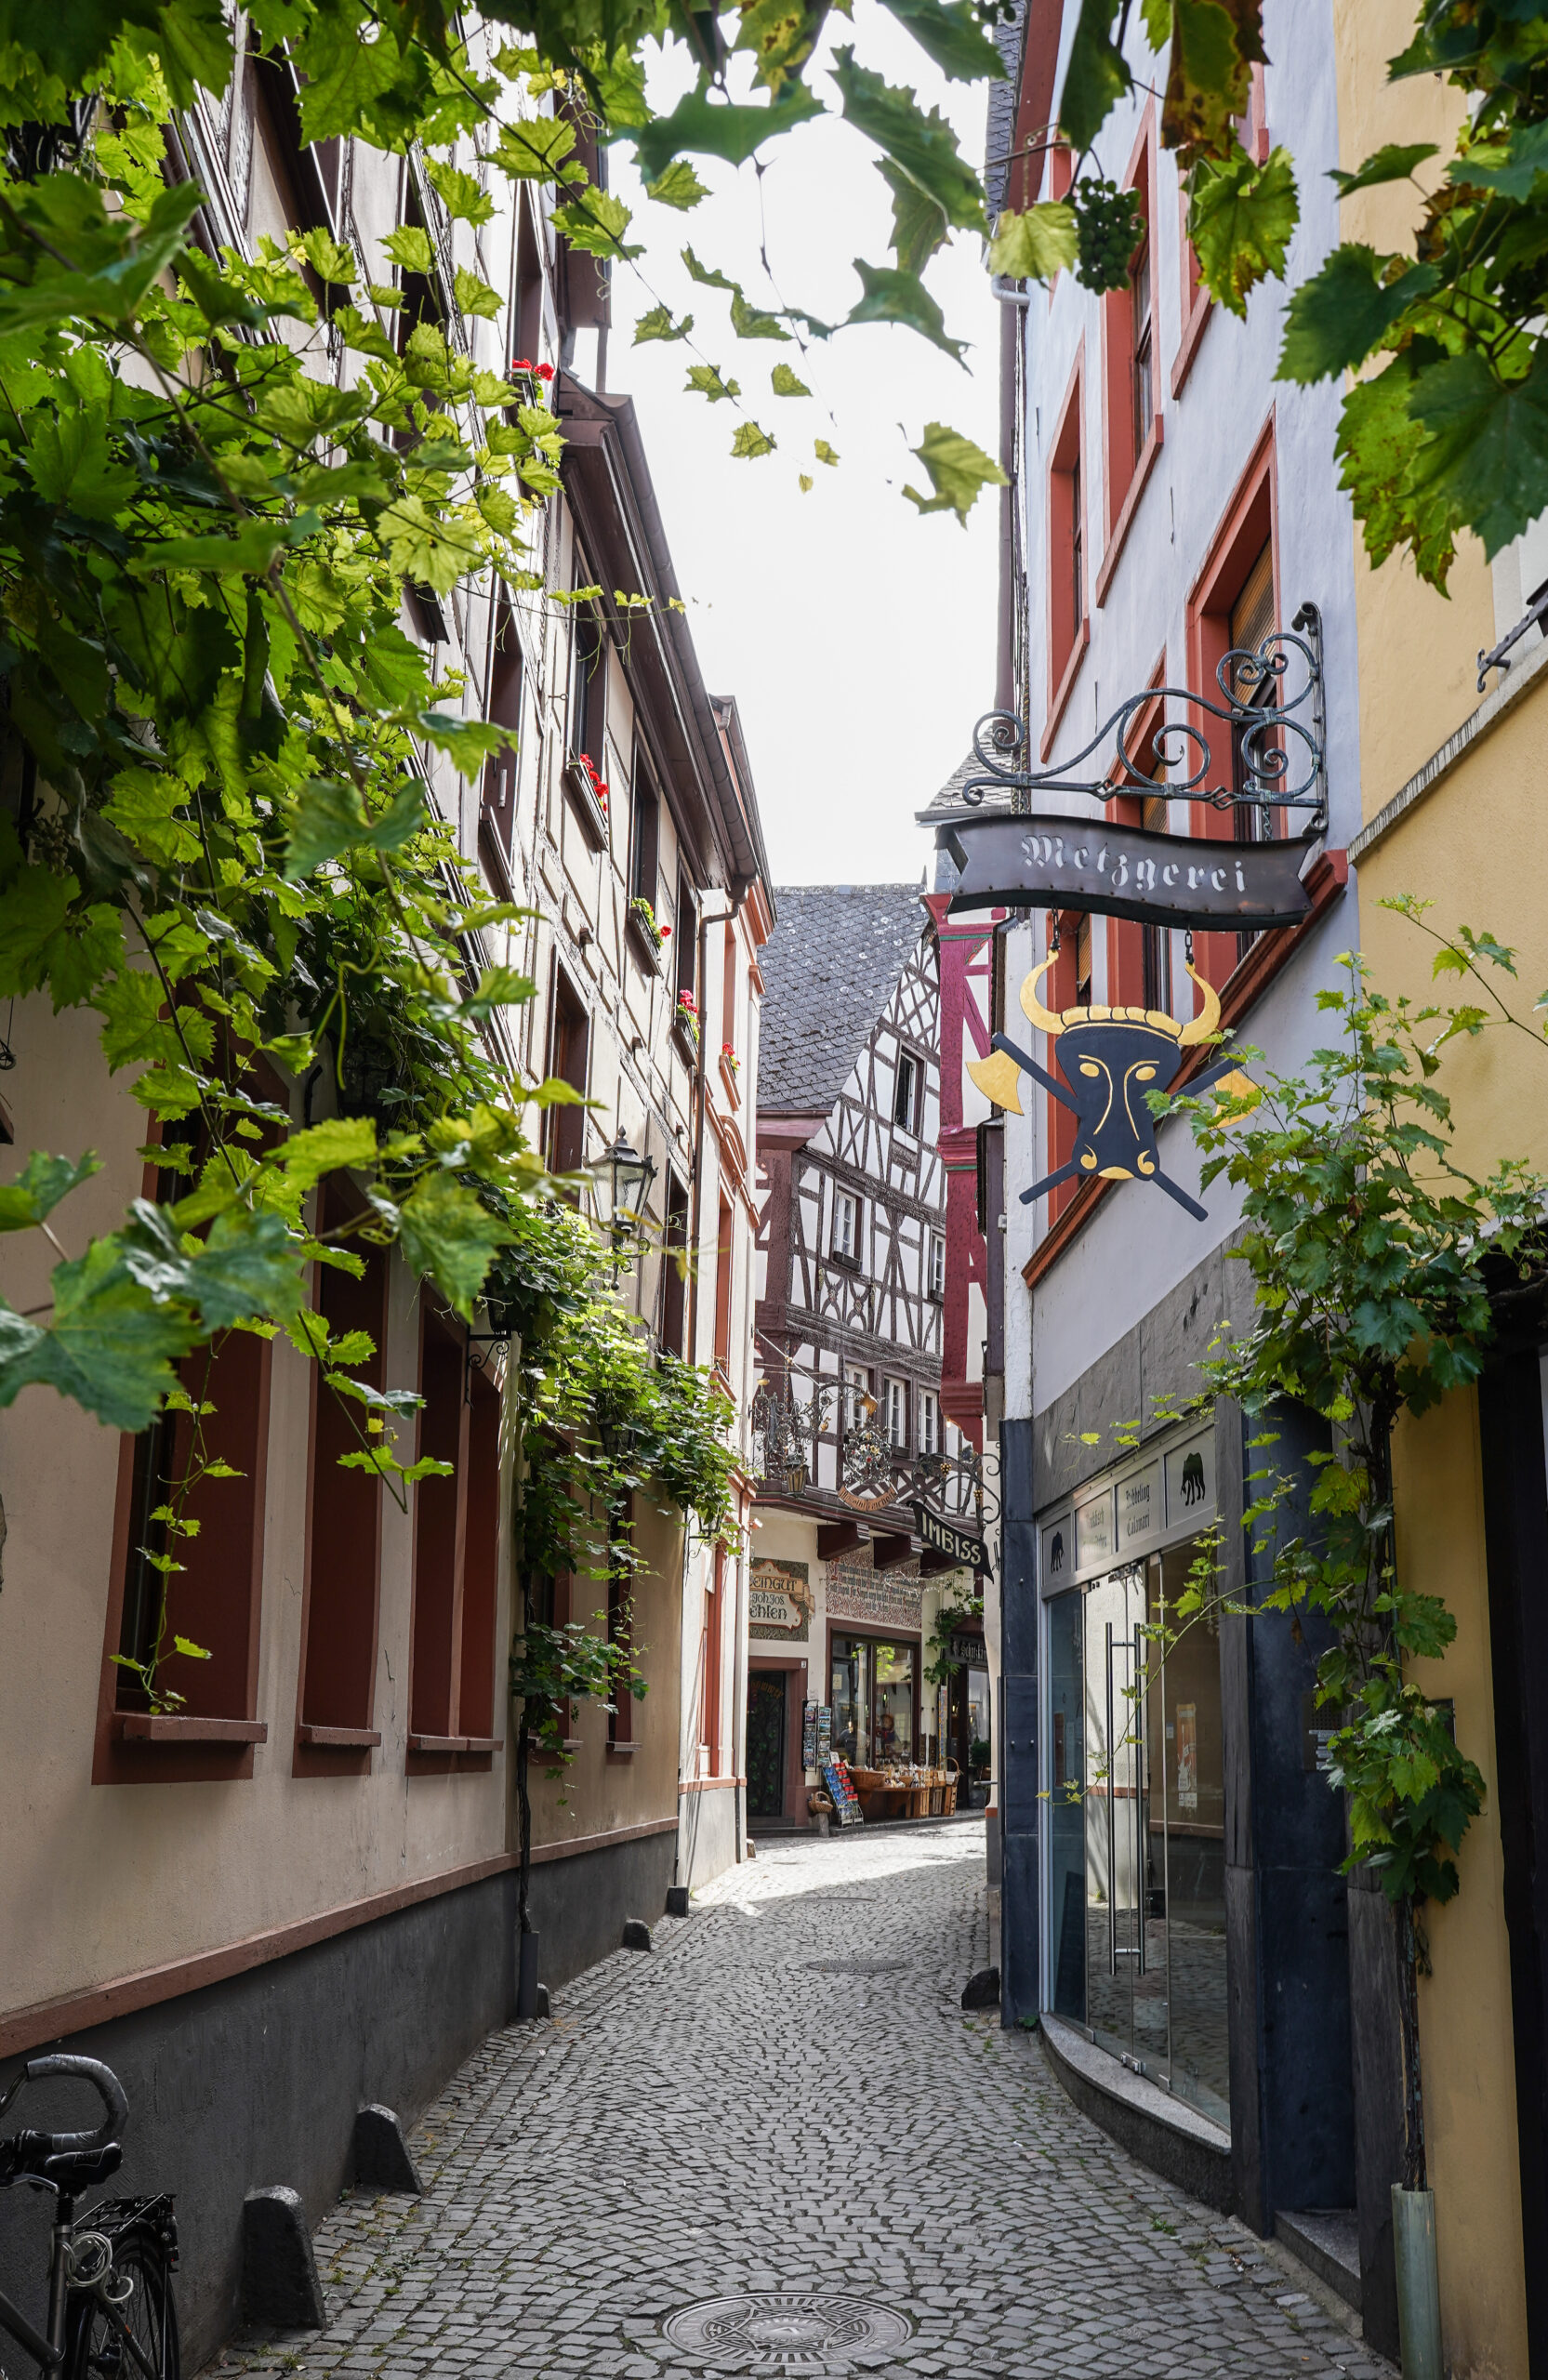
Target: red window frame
[
  {"x": 1251, "y": 515},
  {"x": 1129, "y": 457},
  {"x": 1068, "y": 562},
  {"x": 451, "y": 1694}
]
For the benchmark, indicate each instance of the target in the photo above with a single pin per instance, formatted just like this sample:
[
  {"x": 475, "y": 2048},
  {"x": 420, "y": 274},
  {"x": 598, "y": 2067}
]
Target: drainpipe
[
  {"x": 720, "y": 917},
  {"x": 1005, "y": 679}
]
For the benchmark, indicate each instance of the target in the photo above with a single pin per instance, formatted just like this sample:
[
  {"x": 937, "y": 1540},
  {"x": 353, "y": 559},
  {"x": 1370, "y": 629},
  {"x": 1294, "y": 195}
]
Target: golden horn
[
  {"x": 1205, "y": 1025},
  {"x": 1043, "y": 1018},
  {"x": 997, "y": 1078}
]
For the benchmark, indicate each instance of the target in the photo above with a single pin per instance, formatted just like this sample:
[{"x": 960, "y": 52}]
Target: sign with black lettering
[
  {"x": 1162, "y": 880},
  {"x": 958, "y": 1544}
]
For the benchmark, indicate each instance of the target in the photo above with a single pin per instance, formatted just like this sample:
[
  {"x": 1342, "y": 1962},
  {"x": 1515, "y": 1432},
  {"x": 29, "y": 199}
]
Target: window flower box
[
  {"x": 649, "y": 939},
  {"x": 588, "y": 796},
  {"x": 685, "y": 1025}
]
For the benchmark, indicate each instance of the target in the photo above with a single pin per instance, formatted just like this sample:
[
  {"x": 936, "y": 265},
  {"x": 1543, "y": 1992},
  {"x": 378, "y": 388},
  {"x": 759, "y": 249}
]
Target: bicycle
[{"x": 111, "y": 2311}]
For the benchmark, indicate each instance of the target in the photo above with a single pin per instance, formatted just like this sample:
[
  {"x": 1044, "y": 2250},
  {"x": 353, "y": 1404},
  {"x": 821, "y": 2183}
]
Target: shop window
[
  {"x": 569, "y": 1050},
  {"x": 1066, "y": 559},
  {"x": 906, "y": 1092},
  {"x": 930, "y": 1421},
  {"x": 674, "y": 1260},
  {"x": 846, "y": 1227},
  {"x": 456, "y": 1535},
  {"x": 338, "y": 1627},
  {"x": 937, "y": 1266},
  {"x": 894, "y": 1405},
  {"x": 723, "y": 1289},
  {"x": 873, "y": 1688},
  {"x": 497, "y": 808}
]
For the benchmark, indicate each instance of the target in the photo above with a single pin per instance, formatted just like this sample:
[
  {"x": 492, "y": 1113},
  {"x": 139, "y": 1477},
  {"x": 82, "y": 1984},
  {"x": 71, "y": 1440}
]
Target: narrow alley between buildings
[{"x": 777, "y": 2144}]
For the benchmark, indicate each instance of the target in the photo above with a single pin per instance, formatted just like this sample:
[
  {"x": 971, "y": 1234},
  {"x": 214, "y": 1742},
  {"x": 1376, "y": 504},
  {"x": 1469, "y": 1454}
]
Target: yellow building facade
[{"x": 1454, "y": 786}]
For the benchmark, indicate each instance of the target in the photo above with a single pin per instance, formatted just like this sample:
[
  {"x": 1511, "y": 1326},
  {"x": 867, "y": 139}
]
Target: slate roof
[
  {"x": 949, "y": 803},
  {"x": 829, "y": 967}
]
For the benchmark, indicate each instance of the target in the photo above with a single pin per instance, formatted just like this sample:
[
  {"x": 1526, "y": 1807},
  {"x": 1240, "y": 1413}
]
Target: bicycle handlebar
[{"x": 104, "y": 2082}]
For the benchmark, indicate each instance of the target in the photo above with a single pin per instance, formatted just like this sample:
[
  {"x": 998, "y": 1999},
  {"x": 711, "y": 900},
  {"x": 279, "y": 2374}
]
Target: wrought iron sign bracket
[{"x": 1272, "y": 715}]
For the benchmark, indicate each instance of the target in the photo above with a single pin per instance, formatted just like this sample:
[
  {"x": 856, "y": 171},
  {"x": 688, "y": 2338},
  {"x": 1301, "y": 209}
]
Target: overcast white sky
[{"x": 856, "y": 636}]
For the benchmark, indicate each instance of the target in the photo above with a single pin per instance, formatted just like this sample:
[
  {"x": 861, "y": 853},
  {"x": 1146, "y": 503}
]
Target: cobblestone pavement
[{"x": 786, "y": 2096}]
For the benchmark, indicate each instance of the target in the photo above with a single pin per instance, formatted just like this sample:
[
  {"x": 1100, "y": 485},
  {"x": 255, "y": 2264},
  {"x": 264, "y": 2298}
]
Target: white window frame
[
  {"x": 857, "y": 1388},
  {"x": 937, "y": 1266},
  {"x": 909, "y": 1123},
  {"x": 895, "y": 1393},
  {"x": 930, "y": 1421},
  {"x": 846, "y": 1226}
]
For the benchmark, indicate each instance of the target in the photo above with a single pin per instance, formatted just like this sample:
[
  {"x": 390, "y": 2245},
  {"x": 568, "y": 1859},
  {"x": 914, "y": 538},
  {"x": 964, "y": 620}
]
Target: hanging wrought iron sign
[
  {"x": 958, "y": 1545},
  {"x": 1111, "y": 1059},
  {"x": 1043, "y": 862},
  {"x": 1269, "y": 781}
]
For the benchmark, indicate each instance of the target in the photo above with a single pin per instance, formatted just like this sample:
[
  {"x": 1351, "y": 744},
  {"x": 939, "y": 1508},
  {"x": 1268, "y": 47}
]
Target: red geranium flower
[
  {"x": 521, "y": 364},
  {"x": 545, "y": 371}
]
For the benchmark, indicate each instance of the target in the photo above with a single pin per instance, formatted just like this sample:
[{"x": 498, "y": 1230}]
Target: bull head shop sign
[{"x": 1114, "y": 1059}]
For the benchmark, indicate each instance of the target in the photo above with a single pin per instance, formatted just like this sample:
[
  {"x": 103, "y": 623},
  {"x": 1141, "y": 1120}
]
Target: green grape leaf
[
  {"x": 32, "y": 912},
  {"x": 825, "y": 453},
  {"x": 410, "y": 249},
  {"x": 659, "y": 323},
  {"x": 364, "y": 336},
  {"x": 1037, "y": 244},
  {"x": 1214, "y": 48},
  {"x": 1346, "y": 309},
  {"x": 785, "y": 383},
  {"x": 920, "y": 227},
  {"x": 893, "y": 296},
  {"x": 750, "y": 441},
  {"x": 699, "y": 125},
  {"x": 466, "y": 742},
  {"x": 329, "y": 818},
  {"x": 950, "y": 34},
  {"x": 458, "y": 193},
  {"x": 925, "y": 146},
  {"x": 1511, "y": 167},
  {"x": 40, "y": 1185},
  {"x": 708, "y": 276},
  {"x": 474, "y": 296},
  {"x": 747, "y": 322},
  {"x": 497, "y": 988},
  {"x": 343, "y": 1141},
  {"x": 805, "y": 482},
  {"x": 1241, "y": 218},
  {"x": 110, "y": 1346},
  {"x": 329, "y": 258},
  {"x": 958, "y": 470},
  {"x": 1485, "y": 460},
  {"x": 679, "y": 187},
  {"x": 596, "y": 223},
  {"x": 535, "y": 149},
  {"x": 247, "y": 1269},
  {"x": 1378, "y": 444},
  {"x": 68, "y": 461},
  {"x": 706, "y": 380},
  {"x": 1392, "y": 163},
  {"x": 1096, "y": 76},
  {"x": 448, "y": 1236}
]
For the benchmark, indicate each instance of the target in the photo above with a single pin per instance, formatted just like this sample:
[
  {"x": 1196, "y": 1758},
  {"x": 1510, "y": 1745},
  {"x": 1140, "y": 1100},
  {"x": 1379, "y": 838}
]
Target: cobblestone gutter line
[{"x": 785, "y": 2097}]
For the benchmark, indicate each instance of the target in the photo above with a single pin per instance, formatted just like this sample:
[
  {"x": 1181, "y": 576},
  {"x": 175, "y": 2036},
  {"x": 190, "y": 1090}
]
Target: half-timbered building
[{"x": 851, "y": 1290}]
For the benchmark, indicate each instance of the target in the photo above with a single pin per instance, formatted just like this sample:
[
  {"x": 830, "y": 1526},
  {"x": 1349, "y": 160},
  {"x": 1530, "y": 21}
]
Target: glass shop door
[{"x": 1126, "y": 1945}]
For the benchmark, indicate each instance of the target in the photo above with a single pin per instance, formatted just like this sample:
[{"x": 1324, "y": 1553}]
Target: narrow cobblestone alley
[{"x": 785, "y": 2099}]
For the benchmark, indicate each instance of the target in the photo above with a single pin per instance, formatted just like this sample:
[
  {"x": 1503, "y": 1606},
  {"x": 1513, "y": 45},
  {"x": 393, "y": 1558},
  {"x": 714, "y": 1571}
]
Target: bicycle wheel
[{"x": 98, "y": 2349}]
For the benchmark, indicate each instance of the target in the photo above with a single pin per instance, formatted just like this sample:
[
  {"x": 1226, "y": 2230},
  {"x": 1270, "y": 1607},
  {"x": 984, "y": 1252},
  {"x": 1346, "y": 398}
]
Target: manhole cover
[
  {"x": 854, "y": 1966},
  {"x": 786, "y": 2332}
]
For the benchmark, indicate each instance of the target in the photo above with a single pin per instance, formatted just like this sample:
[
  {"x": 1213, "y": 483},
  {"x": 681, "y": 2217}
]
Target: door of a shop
[{"x": 767, "y": 1697}]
